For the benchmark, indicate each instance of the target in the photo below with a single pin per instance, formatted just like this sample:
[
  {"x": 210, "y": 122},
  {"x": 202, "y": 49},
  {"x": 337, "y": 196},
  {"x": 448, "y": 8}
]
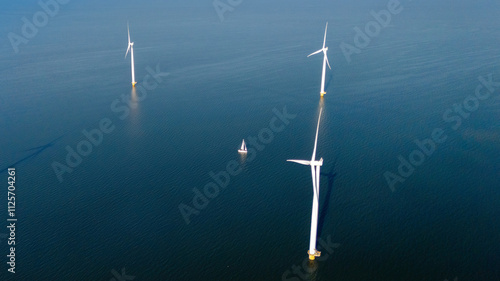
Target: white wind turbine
[
  {"x": 131, "y": 48},
  {"x": 325, "y": 61},
  {"x": 315, "y": 167}
]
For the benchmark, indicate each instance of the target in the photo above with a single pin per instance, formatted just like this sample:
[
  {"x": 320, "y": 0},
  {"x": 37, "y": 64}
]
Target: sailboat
[{"x": 243, "y": 148}]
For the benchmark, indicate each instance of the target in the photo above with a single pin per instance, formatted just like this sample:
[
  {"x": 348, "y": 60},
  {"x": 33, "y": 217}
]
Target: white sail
[{"x": 243, "y": 147}]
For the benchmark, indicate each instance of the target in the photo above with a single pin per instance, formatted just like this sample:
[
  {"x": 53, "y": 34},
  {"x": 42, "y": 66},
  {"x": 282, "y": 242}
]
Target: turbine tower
[
  {"x": 131, "y": 49},
  {"x": 325, "y": 61},
  {"x": 315, "y": 168}
]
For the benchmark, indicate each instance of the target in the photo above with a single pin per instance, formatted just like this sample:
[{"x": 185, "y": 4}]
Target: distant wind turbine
[
  {"x": 325, "y": 61},
  {"x": 131, "y": 49},
  {"x": 315, "y": 167}
]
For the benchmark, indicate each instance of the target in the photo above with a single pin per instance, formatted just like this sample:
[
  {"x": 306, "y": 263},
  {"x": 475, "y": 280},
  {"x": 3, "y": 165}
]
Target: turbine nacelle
[
  {"x": 130, "y": 45},
  {"x": 317, "y": 163}
]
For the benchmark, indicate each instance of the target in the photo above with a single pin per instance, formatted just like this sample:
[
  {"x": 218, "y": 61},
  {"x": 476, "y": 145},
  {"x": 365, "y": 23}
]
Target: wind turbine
[
  {"x": 131, "y": 48},
  {"x": 325, "y": 61},
  {"x": 315, "y": 167}
]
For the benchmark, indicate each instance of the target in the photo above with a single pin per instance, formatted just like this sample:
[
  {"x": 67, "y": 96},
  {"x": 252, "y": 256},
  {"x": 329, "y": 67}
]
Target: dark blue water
[{"x": 119, "y": 208}]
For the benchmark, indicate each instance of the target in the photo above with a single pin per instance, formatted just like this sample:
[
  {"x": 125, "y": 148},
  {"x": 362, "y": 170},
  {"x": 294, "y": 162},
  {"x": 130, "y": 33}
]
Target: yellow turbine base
[
  {"x": 323, "y": 93},
  {"x": 133, "y": 84},
  {"x": 313, "y": 256}
]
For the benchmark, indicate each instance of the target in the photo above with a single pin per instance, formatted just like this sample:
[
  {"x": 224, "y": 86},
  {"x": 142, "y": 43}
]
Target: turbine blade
[
  {"x": 316, "y": 140},
  {"x": 128, "y": 49},
  {"x": 128, "y": 32},
  {"x": 303, "y": 162},
  {"x": 314, "y": 183},
  {"x": 317, "y": 180},
  {"x": 317, "y": 52},
  {"x": 324, "y": 40},
  {"x": 326, "y": 58}
]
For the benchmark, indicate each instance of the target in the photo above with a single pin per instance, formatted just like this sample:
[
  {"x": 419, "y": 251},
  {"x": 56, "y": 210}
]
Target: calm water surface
[{"x": 119, "y": 208}]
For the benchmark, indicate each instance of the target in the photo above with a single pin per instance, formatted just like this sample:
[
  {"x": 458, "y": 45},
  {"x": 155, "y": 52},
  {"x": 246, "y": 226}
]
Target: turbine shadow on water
[
  {"x": 330, "y": 79},
  {"x": 39, "y": 149},
  {"x": 324, "y": 210}
]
